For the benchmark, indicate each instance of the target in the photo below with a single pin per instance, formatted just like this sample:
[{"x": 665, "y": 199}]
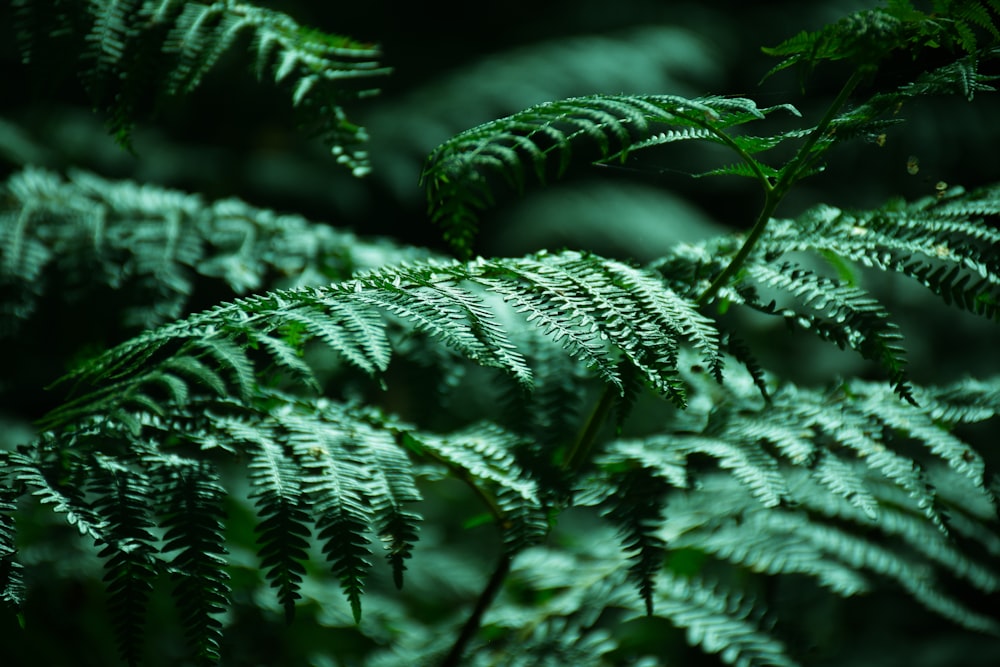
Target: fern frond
[
  {"x": 948, "y": 251},
  {"x": 484, "y": 455},
  {"x": 600, "y": 309},
  {"x": 335, "y": 483},
  {"x": 51, "y": 486},
  {"x": 280, "y": 502},
  {"x": 846, "y": 315},
  {"x": 150, "y": 243},
  {"x": 543, "y": 140},
  {"x": 122, "y": 499},
  {"x": 868, "y": 37},
  {"x": 139, "y": 52},
  {"x": 193, "y": 522},
  {"x": 11, "y": 569},
  {"x": 392, "y": 488},
  {"x": 637, "y": 513}
]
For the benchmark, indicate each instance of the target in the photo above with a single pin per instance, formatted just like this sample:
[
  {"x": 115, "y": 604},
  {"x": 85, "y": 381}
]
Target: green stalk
[{"x": 580, "y": 449}]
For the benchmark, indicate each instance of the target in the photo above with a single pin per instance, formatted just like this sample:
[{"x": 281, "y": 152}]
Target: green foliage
[
  {"x": 639, "y": 471},
  {"x": 137, "y": 51}
]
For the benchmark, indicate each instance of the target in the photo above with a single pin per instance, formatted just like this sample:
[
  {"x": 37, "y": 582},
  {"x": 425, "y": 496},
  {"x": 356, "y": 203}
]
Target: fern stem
[
  {"x": 575, "y": 457},
  {"x": 472, "y": 624},
  {"x": 773, "y": 195},
  {"x": 802, "y": 159}
]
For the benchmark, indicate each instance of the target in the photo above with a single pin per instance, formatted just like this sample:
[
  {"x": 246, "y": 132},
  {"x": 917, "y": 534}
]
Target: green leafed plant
[{"x": 647, "y": 481}]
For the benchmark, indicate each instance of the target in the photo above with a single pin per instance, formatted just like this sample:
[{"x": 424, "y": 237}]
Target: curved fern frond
[
  {"x": 544, "y": 140},
  {"x": 866, "y": 38},
  {"x": 600, "y": 309},
  {"x": 48, "y": 482},
  {"x": 941, "y": 245}
]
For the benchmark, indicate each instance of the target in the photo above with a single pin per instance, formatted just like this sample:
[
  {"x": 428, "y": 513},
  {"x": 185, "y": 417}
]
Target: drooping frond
[
  {"x": 151, "y": 244},
  {"x": 541, "y": 142},
  {"x": 284, "y": 526},
  {"x": 56, "y": 483},
  {"x": 192, "y": 517},
  {"x": 11, "y": 569},
  {"x": 846, "y": 315},
  {"x": 137, "y": 52},
  {"x": 122, "y": 499}
]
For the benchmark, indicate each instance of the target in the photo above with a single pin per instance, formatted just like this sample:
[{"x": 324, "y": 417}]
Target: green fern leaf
[
  {"x": 336, "y": 485},
  {"x": 728, "y": 625},
  {"x": 192, "y": 520},
  {"x": 484, "y": 453},
  {"x": 122, "y": 499},
  {"x": 66, "y": 499},
  {"x": 847, "y": 315},
  {"x": 391, "y": 487},
  {"x": 11, "y": 570},
  {"x": 546, "y": 136},
  {"x": 283, "y": 531}
]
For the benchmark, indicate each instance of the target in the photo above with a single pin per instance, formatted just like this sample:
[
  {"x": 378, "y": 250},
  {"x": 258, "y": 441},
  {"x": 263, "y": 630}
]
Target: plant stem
[
  {"x": 772, "y": 197},
  {"x": 589, "y": 432},
  {"x": 471, "y": 627}
]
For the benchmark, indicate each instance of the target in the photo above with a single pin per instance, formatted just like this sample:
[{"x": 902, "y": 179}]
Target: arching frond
[
  {"x": 597, "y": 308},
  {"x": 868, "y": 37},
  {"x": 941, "y": 245},
  {"x": 543, "y": 141}
]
